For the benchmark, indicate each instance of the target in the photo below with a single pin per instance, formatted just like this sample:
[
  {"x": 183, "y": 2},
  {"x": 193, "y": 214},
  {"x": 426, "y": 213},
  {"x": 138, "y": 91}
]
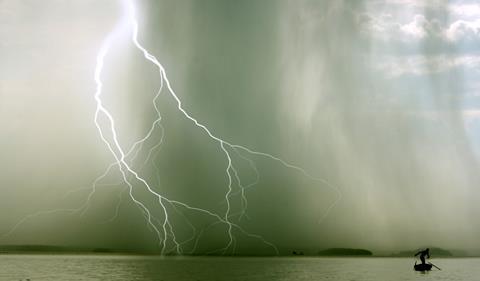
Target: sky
[{"x": 377, "y": 98}]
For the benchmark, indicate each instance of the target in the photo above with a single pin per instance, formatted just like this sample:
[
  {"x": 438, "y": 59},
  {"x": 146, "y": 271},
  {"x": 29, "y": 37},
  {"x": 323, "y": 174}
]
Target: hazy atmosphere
[{"x": 379, "y": 99}]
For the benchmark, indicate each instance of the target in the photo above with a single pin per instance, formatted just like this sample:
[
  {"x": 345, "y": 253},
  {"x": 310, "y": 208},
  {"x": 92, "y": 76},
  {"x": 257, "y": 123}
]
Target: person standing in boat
[{"x": 423, "y": 254}]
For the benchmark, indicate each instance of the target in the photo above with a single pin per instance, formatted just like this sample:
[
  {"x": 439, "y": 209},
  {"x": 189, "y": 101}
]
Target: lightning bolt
[{"x": 163, "y": 227}]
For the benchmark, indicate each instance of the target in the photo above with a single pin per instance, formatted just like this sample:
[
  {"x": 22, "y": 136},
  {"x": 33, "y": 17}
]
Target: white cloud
[
  {"x": 415, "y": 3},
  {"x": 392, "y": 25},
  {"x": 381, "y": 27},
  {"x": 385, "y": 27},
  {"x": 420, "y": 27},
  {"x": 470, "y": 118},
  {"x": 464, "y": 10},
  {"x": 394, "y": 67},
  {"x": 471, "y": 113},
  {"x": 463, "y": 30},
  {"x": 416, "y": 27}
]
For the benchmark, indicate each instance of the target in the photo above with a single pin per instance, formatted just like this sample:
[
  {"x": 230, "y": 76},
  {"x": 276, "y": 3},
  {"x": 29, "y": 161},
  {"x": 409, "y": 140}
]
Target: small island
[{"x": 341, "y": 252}]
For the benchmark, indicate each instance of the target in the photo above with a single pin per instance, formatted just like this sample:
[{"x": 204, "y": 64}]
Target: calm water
[{"x": 100, "y": 267}]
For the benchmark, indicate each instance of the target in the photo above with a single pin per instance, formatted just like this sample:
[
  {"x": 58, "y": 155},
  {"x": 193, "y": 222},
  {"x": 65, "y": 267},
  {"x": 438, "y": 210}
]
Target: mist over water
[{"x": 377, "y": 97}]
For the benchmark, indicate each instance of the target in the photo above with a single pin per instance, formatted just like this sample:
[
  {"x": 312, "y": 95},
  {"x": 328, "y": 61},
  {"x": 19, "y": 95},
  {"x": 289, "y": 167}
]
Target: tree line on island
[
  {"x": 337, "y": 252},
  {"x": 351, "y": 252}
]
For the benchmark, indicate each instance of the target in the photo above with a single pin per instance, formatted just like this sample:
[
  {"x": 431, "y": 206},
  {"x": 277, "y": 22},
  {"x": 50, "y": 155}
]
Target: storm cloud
[{"x": 379, "y": 98}]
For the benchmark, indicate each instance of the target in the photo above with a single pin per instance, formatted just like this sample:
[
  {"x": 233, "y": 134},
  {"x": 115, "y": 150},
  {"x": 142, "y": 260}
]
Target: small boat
[{"x": 422, "y": 267}]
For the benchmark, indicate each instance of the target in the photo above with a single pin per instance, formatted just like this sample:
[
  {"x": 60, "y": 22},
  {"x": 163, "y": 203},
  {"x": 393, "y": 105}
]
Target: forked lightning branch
[{"x": 162, "y": 226}]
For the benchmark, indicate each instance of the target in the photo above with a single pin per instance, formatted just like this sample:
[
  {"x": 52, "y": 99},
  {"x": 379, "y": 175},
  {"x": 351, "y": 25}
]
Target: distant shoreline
[
  {"x": 436, "y": 253},
  {"x": 128, "y": 253},
  {"x": 39, "y": 253}
]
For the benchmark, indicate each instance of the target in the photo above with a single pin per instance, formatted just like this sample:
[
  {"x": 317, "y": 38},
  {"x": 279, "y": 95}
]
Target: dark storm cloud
[{"x": 372, "y": 99}]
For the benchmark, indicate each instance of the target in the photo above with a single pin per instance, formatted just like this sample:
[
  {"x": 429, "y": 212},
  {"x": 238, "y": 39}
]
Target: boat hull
[{"x": 422, "y": 267}]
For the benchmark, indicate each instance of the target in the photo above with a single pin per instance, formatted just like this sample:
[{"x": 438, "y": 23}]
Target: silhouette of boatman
[{"x": 422, "y": 254}]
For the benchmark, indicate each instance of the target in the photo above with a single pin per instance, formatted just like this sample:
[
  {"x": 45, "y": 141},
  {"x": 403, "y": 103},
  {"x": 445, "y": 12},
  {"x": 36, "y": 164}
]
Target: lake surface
[{"x": 130, "y": 268}]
